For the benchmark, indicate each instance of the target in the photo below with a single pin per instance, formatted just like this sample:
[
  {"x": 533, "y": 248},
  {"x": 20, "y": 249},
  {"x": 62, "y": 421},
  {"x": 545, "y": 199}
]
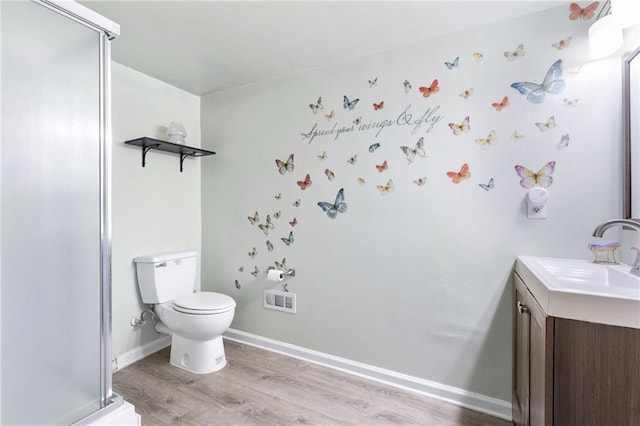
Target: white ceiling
[{"x": 209, "y": 46}]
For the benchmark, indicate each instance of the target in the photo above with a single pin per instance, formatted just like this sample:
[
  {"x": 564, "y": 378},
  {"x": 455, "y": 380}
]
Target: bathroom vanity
[{"x": 576, "y": 343}]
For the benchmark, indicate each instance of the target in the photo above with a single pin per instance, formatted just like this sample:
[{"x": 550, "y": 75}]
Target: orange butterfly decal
[
  {"x": 304, "y": 183},
  {"x": 382, "y": 167},
  {"x": 428, "y": 91},
  {"x": 576, "y": 12},
  {"x": 294, "y": 222},
  {"x": 457, "y": 177},
  {"x": 378, "y": 106},
  {"x": 499, "y": 105}
]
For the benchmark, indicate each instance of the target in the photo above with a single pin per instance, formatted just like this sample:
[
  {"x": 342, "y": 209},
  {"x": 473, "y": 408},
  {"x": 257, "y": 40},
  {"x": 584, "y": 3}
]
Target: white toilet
[{"x": 195, "y": 320}]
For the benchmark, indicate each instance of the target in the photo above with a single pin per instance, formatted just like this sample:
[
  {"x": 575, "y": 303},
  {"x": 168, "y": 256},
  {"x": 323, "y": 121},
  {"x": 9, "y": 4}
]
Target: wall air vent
[{"x": 280, "y": 301}]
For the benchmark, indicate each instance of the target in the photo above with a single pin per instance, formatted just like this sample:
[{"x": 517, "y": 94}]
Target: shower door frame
[{"x": 108, "y": 31}]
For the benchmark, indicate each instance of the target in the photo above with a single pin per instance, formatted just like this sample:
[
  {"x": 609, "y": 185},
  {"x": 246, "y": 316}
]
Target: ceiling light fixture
[{"x": 605, "y": 35}]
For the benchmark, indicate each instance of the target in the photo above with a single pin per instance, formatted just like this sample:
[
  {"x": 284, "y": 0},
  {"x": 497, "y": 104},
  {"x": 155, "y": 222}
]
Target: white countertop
[{"x": 583, "y": 290}]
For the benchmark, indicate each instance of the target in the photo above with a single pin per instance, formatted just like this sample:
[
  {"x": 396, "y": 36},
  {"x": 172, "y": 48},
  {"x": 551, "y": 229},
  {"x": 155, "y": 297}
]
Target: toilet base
[{"x": 197, "y": 356}]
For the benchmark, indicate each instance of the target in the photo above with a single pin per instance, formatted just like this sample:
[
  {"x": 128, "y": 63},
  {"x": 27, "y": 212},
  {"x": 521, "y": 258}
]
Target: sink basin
[
  {"x": 583, "y": 290},
  {"x": 581, "y": 275}
]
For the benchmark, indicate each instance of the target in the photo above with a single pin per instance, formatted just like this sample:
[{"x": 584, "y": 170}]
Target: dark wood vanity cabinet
[{"x": 572, "y": 373}]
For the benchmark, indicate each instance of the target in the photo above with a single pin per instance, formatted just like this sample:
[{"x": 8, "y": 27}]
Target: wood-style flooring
[{"x": 259, "y": 387}]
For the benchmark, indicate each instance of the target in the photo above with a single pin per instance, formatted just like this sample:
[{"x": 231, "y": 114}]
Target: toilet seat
[{"x": 204, "y": 303}]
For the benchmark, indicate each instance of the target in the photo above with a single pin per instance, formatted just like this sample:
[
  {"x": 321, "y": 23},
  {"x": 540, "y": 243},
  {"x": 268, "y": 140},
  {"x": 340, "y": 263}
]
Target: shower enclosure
[{"x": 55, "y": 301}]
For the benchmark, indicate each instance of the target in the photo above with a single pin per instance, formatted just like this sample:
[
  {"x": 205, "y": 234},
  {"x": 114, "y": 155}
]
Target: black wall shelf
[{"x": 147, "y": 144}]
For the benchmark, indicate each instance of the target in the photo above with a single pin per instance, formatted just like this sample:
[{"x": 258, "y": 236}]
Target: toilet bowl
[{"x": 195, "y": 321}]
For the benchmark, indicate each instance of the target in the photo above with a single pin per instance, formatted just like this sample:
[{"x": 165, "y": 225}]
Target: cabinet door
[
  {"x": 540, "y": 364},
  {"x": 520, "y": 354}
]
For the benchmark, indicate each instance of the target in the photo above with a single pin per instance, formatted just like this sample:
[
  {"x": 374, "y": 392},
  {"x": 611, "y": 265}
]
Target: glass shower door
[{"x": 50, "y": 253}]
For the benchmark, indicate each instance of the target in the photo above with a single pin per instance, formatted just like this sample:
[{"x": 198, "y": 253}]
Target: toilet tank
[{"x": 166, "y": 276}]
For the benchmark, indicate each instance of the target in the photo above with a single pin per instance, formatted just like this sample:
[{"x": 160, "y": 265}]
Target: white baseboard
[
  {"x": 136, "y": 354},
  {"x": 473, "y": 401}
]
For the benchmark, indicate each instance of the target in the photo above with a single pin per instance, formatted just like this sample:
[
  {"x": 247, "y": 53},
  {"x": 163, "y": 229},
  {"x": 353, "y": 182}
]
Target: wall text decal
[{"x": 406, "y": 118}]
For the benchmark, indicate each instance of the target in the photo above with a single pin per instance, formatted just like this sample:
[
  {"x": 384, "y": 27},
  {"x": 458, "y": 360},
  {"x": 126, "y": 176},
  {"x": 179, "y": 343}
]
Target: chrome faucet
[{"x": 630, "y": 223}]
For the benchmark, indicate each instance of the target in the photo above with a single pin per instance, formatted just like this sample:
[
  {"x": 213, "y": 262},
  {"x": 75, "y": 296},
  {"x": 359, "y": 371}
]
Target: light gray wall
[
  {"x": 155, "y": 208},
  {"x": 418, "y": 280}
]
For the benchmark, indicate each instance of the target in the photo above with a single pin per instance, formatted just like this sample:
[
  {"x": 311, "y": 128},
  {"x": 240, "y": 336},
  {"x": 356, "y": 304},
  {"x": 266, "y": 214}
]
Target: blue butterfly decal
[
  {"x": 454, "y": 64},
  {"x": 553, "y": 83},
  {"x": 349, "y": 104},
  {"x": 338, "y": 206},
  {"x": 374, "y": 146},
  {"x": 487, "y": 186},
  {"x": 288, "y": 241}
]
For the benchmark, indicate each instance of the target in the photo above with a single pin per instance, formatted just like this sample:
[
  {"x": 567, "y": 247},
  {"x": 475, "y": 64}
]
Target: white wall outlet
[{"x": 537, "y": 203}]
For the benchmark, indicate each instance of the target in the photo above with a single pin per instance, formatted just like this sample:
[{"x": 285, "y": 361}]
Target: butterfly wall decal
[
  {"x": 487, "y": 186},
  {"x": 322, "y": 156},
  {"x": 485, "y": 143},
  {"x": 467, "y": 93},
  {"x": 338, "y": 206},
  {"x": 256, "y": 271},
  {"x": 516, "y": 136},
  {"x": 293, "y": 222},
  {"x": 296, "y": 203},
  {"x": 269, "y": 246},
  {"x": 378, "y": 106},
  {"x": 352, "y": 159},
  {"x": 253, "y": 219},
  {"x": 278, "y": 196},
  {"x": 318, "y": 105},
  {"x": 428, "y": 91},
  {"x": 477, "y": 56},
  {"x": 463, "y": 174},
  {"x": 373, "y": 147},
  {"x": 462, "y": 127},
  {"x": 361, "y": 181},
  {"x": 570, "y": 102},
  {"x": 411, "y": 153},
  {"x": 576, "y": 12},
  {"x": 347, "y": 104},
  {"x": 267, "y": 226},
  {"x": 373, "y": 83},
  {"x": 357, "y": 120},
  {"x": 241, "y": 269},
  {"x": 553, "y": 83},
  {"x": 420, "y": 181},
  {"x": 303, "y": 184},
  {"x": 512, "y": 56},
  {"x": 382, "y": 167},
  {"x": 564, "y": 141},
  {"x": 285, "y": 166},
  {"x": 563, "y": 43},
  {"x": 281, "y": 265},
  {"x": 453, "y": 64},
  {"x": 277, "y": 214},
  {"x": 407, "y": 86},
  {"x": 288, "y": 240},
  {"x": 237, "y": 284},
  {"x": 542, "y": 178},
  {"x": 253, "y": 253},
  {"x": 502, "y": 104},
  {"x": 330, "y": 175},
  {"x": 550, "y": 124},
  {"x": 385, "y": 189},
  {"x": 330, "y": 116}
]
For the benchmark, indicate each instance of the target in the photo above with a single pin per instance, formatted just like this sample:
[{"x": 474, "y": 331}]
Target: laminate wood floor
[{"x": 259, "y": 387}]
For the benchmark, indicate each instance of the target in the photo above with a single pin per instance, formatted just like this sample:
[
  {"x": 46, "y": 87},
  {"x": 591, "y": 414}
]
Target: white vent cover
[{"x": 280, "y": 301}]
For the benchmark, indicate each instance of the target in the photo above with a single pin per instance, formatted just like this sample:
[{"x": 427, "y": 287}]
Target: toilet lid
[{"x": 204, "y": 303}]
